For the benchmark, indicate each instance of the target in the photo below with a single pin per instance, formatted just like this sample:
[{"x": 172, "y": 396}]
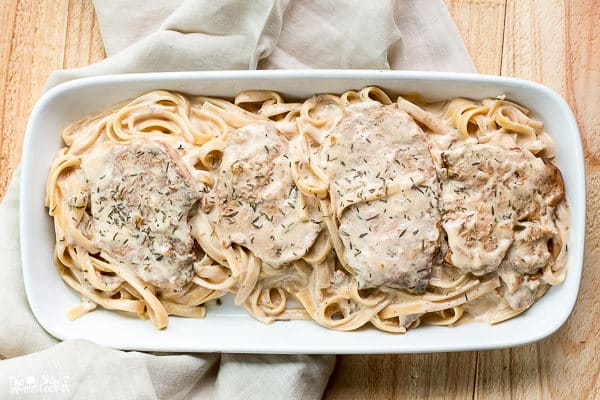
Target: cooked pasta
[{"x": 349, "y": 209}]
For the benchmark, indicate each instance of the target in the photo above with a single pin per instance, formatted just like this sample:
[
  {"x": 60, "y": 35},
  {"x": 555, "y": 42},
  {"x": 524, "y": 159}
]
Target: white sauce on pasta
[
  {"x": 255, "y": 202},
  {"x": 384, "y": 192},
  {"x": 140, "y": 198},
  {"x": 361, "y": 209}
]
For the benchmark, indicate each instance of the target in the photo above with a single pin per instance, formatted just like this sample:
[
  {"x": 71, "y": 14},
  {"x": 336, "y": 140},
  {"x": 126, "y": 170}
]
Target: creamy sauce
[
  {"x": 342, "y": 203},
  {"x": 520, "y": 289},
  {"x": 255, "y": 202},
  {"x": 140, "y": 199},
  {"x": 530, "y": 251},
  {"x": 384, "y": 187},
  {"x": 487, "y": 189}
]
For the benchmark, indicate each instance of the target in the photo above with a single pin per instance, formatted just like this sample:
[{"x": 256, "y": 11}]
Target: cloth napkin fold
[
  {"x": 169, "y": 35},
  {"x": 177, "y": 35}
]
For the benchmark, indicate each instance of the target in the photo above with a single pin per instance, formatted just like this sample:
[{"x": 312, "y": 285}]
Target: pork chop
[
  {"x": 140, "y": 199},
  {"x": 384, "y": 188},
  {"x": 255, "y": 202},
  {"x": 487, "y": 189}
]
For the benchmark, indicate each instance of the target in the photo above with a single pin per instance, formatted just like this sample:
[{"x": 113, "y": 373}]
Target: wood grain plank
[
  {"x": 83, "y": 43},
  {"x": 481, "y": 24},
  {"x": 411, "y": 376},
  {"x": 31, "y": 49},
  {"x": 37, "y": 37},
  {"x": 8, "y": 20},
  {"x": 495, "y": 377},
  {"x": 557, "y": 44}
]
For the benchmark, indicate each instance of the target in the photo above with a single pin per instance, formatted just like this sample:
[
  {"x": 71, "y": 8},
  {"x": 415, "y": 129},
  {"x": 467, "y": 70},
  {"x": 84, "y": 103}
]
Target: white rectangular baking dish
[{"x": 228, "y": 328}]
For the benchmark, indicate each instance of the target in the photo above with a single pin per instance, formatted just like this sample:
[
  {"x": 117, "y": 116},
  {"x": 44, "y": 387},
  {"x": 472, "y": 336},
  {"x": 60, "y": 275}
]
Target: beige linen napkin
[
  {"x": 167, "y": 35},
  {"x": 177, "y": 35}
]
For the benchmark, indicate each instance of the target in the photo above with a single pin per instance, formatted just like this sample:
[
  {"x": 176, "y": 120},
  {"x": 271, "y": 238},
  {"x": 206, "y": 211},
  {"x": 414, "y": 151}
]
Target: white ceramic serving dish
[{"x": 228, "y": 328}]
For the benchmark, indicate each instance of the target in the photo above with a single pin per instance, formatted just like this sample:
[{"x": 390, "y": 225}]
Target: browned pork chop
[
  {"x": 487, "y": 190},
  {"x": 384, "y": 187},
  {"x": 140, "y": 199},
  {"x": 255, "y": 202}
]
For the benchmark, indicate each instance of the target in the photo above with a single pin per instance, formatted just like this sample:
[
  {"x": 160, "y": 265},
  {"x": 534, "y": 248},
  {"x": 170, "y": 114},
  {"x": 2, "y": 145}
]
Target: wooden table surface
[{"x": 553, "y": 42}]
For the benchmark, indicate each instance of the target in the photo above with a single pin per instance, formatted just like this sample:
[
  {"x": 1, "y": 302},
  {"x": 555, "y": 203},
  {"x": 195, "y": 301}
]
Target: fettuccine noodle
[{"x": 309, "y": 269}]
